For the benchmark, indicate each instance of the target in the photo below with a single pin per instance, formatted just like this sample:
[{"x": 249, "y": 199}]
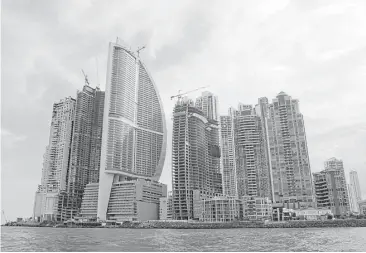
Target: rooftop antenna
[
  {"x": 96, "y": 59},
  {"x": 139, "y": 49},
  {"x": 86, "y": 78}
]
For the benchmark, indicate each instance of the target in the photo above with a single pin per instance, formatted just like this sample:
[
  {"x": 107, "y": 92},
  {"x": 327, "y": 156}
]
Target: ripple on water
[{"x": 244, "y": 239}]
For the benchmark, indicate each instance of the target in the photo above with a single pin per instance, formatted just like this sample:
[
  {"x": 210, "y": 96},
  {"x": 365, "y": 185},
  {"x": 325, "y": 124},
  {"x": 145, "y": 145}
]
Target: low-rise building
[
  {"x": 165, "y": 207},
  {"x": 256, "y": 208},
  {"x": 313, "y": 214},
  {"x": 89, "y": 204},
  {"x": 130, "y": 200},
  {"x": 362, "y": 207},
  {"x": 221, "y": 209}
]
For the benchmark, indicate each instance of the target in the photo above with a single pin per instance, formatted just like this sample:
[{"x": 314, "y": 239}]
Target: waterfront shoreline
[{"x": 201, "y": 225}]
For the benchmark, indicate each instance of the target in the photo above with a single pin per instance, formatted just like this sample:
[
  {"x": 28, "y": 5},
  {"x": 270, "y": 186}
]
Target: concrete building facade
[
  {"x": 134, "y": 131},
  {"x": 228, "y": 155},
  {"x": 195, "y": 157},
  {"x": 56, "y": 162},
  {"x": 166, "y": 207},
  {"x": 354, "y": 191},
  {"x": 89, "y": 204},
  {"x": 290, "y": 165},
  {"x": 86, "y": 147},
  {"x": 208, "y": 104},
  {"x": 337, "y": 185},
  {"x": 256, "y": 208},
  {"x": 246, "y": 167},
  {"x": 221, "y": 209},
  {"x": 353, "y": 203},
  {"x": 331, "y": 189}
]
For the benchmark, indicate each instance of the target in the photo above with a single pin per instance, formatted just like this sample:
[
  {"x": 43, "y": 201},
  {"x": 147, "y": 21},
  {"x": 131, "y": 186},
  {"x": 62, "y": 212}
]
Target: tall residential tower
[
  {"x": 195, "y": 157},
  {"x": 56, "y": 162},
  {"x": 86, "y": 147},
  {"x": 134, "y": 131},
  {"x": 290, "y": 164}
]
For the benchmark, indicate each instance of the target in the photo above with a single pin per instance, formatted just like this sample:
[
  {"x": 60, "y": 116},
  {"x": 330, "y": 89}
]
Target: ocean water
[{"x": 241, "y": 239}]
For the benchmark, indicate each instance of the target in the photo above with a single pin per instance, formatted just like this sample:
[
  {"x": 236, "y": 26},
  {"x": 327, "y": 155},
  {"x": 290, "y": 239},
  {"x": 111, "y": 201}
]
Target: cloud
[{"x": 314, "y": 51}]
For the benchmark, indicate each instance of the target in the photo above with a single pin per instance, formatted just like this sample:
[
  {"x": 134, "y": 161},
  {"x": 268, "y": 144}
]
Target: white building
[
  {"x": 220, "y": 209},
  {"x": 290, "y": 164},
  {"x": 56, "y": 160},
  {"x": 354, "y": 191},
  {"x": 353, "y": 203},
  {"x": 134, "y": 131},
  {"x": 208, "y": 104}
]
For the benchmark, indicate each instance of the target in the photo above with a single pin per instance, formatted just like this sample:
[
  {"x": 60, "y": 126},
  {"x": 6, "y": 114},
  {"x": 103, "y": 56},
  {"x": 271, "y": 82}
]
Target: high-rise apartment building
[
  {"x": 228, "y": 155},
  {"x": 339, "y": 184},
  {"x": 354, "y": 191},
  {"x": 331, "y": 189},
  {"x": 195, "y": 157},
  {"x": 56, "y": 161},
  {"x": 353, "y": 203},
  {"x": 289, "y": 157},
  {"x": 244, "y": 154},
  {"x": 86, "y": 147},
  {"x": 252, "y": 164},
  {"x": 355, "y": 184},
  {"x": 208, "y": 104},
  {"x": 265, "y": 152},
  {"x": 134, "y": 131}
]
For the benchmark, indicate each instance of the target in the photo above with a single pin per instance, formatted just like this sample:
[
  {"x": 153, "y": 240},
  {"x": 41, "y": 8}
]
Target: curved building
[{"x": 134, "y": 130}]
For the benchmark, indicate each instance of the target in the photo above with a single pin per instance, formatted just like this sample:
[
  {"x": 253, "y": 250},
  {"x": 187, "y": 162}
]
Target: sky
[{"x": 315, "y": 51}]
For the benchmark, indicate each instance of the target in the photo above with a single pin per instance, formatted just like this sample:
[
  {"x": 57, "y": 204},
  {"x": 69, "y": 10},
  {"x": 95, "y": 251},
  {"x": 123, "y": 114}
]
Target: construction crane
[
  {"x": 97, "y": 73},
  {"x": 181, "y": 94},
  {"x": 6, "y": 221},
  {"x": 86, "y": 78},
  {"x": 139, "y": 49}
]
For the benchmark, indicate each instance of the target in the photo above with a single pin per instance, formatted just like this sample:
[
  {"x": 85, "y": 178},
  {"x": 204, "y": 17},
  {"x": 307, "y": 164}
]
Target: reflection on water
[{"x": 242, "y": 239}]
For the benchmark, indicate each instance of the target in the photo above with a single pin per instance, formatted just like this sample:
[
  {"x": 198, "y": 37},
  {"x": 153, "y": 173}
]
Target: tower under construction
[
  {"x": 86, "y": 147},
  {"x": 195, "y": 157}
]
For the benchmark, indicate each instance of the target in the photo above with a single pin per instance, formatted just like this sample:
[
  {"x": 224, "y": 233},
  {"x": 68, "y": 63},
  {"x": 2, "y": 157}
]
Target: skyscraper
[
  {"x": 353, "y": 203},
  {"x": 355, "y": 184},
  {"x": 339, "y": 184},
  {"x": 134, "y": 131},
  {"x": 244, "y": 153},
  {"x": 354, "y": 191},
  {"x": 56, "y": 161},
  {"x": 331, "y": 190},
  {"x": 228, "y": 155},
  {"x": 290, "y": 165},
  {"x": 195, "y": 157},
  {"x": 86, "y": 147},
  {"x": 208, "y": 104}
]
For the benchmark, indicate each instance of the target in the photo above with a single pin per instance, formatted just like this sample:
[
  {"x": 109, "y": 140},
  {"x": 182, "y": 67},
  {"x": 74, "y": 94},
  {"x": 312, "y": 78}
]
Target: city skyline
[{"x": 327, "y": 79}]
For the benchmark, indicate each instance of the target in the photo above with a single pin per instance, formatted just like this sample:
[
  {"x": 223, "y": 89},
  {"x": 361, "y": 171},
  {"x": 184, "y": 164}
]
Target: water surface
[{"x": 240, "y": 239}]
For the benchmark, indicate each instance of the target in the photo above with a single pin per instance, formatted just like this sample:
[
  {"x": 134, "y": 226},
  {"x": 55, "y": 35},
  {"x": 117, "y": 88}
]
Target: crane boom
[
  {"x": 181, "y": 94},
  {"x": 139, "y": 49},
  {"x": 86, "y": 78}
]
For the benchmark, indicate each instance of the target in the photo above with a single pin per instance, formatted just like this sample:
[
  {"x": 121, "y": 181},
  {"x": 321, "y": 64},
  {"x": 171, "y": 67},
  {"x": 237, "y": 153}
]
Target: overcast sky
[{"x": 315, "y": 51}]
